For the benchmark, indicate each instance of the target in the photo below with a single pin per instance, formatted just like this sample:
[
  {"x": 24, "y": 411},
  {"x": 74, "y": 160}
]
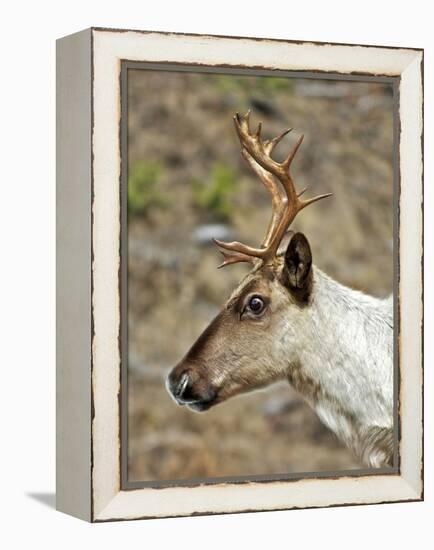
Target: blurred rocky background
[{"x": 187, "y": 183}]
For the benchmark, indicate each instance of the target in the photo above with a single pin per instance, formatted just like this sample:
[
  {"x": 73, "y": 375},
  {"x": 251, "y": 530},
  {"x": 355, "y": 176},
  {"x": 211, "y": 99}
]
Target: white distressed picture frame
[{"x": 88, "y": 274}]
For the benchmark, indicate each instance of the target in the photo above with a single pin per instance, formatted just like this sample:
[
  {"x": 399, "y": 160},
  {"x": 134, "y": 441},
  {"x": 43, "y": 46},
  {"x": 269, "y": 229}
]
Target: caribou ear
[{"x": 297, "y": 269}]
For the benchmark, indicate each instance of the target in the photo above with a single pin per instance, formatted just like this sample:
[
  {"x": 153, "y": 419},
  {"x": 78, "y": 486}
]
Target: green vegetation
[
  {"x": 215, "y": 195},
  {"x": 253, "y": 85},
  {"x": 143, "y": 192}
]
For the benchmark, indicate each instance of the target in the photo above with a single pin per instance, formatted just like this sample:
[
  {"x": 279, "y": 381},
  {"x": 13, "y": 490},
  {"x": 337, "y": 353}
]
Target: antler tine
[
  {"x": 240, "y": 248},
  {"x": 243, "y": 122},
  {"x": 229, "y": 259},
  {"x": 270, "y": 144},
  {"x": 287, "y": 162},
  {"x": 312, "y": 200}
]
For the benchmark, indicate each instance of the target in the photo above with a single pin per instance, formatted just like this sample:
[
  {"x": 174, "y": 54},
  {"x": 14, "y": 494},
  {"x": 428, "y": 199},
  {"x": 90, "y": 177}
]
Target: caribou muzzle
[{"x": 188, "y": 387}]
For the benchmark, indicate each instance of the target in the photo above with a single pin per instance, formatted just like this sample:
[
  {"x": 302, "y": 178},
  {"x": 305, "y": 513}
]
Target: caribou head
[{"x": 252, "y": 342}]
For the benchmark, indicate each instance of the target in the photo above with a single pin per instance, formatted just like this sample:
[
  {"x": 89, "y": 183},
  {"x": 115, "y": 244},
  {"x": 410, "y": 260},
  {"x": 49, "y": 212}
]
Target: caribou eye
[{"x": 256, "y": 305}]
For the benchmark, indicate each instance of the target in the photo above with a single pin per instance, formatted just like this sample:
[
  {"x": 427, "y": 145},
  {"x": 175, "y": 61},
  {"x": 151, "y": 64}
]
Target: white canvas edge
[{"x": 109, "y": 48}]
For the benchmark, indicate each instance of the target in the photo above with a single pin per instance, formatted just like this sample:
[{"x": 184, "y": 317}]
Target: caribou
[{"x": 287, "y": 320}]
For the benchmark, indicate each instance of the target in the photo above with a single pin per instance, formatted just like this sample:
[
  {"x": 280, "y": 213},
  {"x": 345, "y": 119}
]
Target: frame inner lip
[{"x": 165, "y": 68}]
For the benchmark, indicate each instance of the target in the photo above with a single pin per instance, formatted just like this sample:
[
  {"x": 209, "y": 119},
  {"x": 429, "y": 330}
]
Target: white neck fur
[{"x": 344, "y": 367}]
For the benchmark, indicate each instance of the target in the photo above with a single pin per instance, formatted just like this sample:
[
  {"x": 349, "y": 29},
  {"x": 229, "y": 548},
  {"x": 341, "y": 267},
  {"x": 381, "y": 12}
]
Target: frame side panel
[
  {"x": 73, "y": 275},
  {"x": 411, "y": 281}
]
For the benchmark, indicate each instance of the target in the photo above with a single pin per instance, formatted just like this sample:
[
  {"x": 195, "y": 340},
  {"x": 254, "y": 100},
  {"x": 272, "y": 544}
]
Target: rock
[{"x": 203, "y": 234}]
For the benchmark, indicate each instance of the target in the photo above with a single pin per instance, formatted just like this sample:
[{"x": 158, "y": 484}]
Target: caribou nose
[{"x": 180, "y": 387}]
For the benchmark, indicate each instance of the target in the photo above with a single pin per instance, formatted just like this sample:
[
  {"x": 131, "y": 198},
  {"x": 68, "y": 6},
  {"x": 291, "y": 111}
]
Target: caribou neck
[{"x": 343, "y": 361}]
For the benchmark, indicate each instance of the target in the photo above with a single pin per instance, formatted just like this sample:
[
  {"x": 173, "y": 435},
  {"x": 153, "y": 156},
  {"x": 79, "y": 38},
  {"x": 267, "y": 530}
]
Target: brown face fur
[{"x": 239, "y": 351}]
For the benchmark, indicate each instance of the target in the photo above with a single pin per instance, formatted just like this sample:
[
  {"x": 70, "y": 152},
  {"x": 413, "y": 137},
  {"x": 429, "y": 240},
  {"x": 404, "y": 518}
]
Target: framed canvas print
[{"x": 292, "y": 377}]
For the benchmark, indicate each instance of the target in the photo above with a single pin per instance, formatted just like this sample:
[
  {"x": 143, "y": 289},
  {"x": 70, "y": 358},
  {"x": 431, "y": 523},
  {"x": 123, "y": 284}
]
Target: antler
[{"x": 285, "y": 206}]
